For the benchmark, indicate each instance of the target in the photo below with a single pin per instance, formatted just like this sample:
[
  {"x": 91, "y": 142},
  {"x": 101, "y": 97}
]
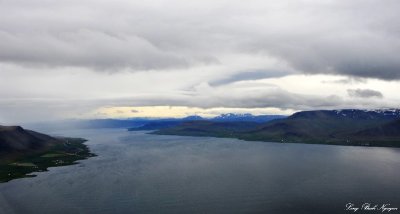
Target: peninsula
[{"x": 24, "y": 151}]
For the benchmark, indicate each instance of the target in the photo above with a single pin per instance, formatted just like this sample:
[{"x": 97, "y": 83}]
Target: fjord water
[{"x": 135, "y": 172}]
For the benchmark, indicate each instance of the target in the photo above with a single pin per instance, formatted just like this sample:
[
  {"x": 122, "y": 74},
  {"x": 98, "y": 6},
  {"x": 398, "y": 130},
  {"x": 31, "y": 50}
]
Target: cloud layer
[
  {"x": 69, "y": 58},
  {"x": 357, "y": 38}
]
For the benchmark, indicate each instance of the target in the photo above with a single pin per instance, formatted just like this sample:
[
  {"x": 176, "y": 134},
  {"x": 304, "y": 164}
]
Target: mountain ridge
[
  {"x": 24, "y": 151},
  {"x": 16, "y": 139},
  {"x": 339, "y": 127},
  {"x": 229, "y": 117}
]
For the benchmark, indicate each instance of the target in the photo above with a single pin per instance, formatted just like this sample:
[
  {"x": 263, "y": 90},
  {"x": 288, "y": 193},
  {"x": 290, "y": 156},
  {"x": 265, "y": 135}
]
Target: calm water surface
[{"x": 139, "y": 173}]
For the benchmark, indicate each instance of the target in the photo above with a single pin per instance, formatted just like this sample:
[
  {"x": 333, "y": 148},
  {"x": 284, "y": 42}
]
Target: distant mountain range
[
  {"x": 246, "y": 117},
  {"x": 230, "y": 117},
  {"x": 339, "y": 127},
  {"x": 141, "y": 123}
]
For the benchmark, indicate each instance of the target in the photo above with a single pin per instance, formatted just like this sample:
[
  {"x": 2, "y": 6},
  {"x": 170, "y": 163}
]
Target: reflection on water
[{"x": 140, "y": 173}]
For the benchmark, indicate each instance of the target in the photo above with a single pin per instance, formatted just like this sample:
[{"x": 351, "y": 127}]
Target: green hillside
[{"x": 344, "y": 127}]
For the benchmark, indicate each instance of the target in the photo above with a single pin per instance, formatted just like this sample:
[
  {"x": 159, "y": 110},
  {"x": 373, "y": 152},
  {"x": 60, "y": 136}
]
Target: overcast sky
[{"x": 120, "y": 58}]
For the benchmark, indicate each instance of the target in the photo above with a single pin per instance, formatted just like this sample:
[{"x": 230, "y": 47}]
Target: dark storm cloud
[
  {"x": 354, "y": 38},
  {"x": 364, "y": 93}
]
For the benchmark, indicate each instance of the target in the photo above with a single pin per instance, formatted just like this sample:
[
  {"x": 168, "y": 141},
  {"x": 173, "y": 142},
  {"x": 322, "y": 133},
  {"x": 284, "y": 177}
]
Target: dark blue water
[{"x": 139, "y": 173}]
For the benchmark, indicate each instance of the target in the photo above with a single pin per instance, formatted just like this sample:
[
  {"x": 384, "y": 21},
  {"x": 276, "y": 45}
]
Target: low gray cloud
[
  {"x": 354, "y": 38},
  {"x": 364, "y": 93}
]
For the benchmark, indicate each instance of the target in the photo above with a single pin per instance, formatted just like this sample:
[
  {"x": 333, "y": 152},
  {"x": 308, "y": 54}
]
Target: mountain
[
  {"x": 17, "y": 142},
  {"x": 102, "y": 123},
  {"x": 15, "y": 139},
  {"x": 24, "y": 151},
  {"x": 228, "y": 118},
  {"x": 343, "y": 127},
  {"x": 209, "y": 128},
  {"x": 136, "y": 124},
  {"x": 387, "y": 130},
  {"x": 323, "y": 125},
  {"x": 193, "y": 117},
  {"x": 350, "y": 114},
  {"x": 246, "y": 117},
  {"x": 154, "y": 125}
]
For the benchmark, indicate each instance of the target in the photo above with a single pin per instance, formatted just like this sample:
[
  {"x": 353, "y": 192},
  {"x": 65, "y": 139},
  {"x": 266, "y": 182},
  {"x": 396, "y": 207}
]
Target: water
[{"x": 139, "y": 173}]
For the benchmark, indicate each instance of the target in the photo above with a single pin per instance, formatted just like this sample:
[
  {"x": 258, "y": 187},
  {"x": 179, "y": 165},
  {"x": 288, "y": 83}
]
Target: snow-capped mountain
[{"x": 351, "y": 114}]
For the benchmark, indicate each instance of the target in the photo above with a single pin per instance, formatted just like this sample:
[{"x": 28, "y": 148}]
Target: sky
[{"x": 123, "y": 58}]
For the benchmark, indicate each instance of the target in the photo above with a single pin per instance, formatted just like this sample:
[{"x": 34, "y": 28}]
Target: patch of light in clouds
[{"x": 177, "y": 111}]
